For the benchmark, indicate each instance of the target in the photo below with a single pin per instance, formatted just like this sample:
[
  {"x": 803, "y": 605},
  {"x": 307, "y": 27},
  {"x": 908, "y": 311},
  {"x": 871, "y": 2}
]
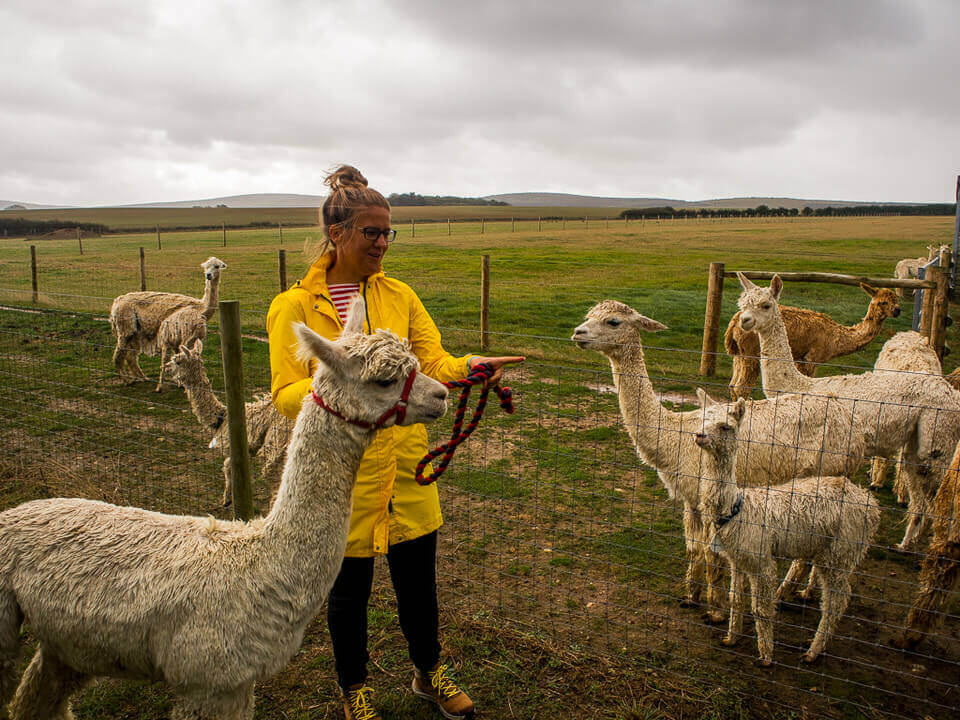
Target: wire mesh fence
[{"x": 554, "y": 525}]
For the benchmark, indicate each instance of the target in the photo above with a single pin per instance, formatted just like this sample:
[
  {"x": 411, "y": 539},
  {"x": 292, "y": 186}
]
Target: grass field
[{"x": 562, "y": 555}]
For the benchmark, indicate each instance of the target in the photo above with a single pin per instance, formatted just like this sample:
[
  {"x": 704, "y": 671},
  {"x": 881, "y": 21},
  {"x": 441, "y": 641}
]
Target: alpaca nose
[
  {"x": 699, "y": 438},
  {"x": 441, "y": 393},
  {"x": 896, "y": 312}
]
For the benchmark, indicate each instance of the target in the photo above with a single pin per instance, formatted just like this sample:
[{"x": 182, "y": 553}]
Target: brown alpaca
[
  {"x": 941, "y": 566},
  {"x": 815, "y": 338}
]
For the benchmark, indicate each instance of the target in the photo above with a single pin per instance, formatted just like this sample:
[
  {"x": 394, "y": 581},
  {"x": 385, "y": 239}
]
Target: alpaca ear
[
  {"x": 739, "y": 407},
  {"x": 649, "y": 324},
  {"x": 776, "y": 286},
  {"x": 871, "y": 291},
  {"x": 703, "y": 397},
  {"x": 312, "y": 345},
  {"x": 745, "y": 282},
  {"x": 355, "y": 316}
]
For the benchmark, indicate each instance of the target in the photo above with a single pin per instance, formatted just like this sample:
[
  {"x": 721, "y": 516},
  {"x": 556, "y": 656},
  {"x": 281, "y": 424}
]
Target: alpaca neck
[
  {"x": 776, "y": 361},
  {"x": 719, "y": 490},
  {"x": 211, "y": 295},
  {"x": 860, "y": 335},
  {"x": 307, "y": 525},
  {"x": 644, "y": 416},
  {"x": 204, "y": 403}
]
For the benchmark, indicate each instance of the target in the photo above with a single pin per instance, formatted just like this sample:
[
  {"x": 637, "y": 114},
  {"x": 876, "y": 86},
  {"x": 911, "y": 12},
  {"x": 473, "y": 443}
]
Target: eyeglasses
[{"x": 372, "y": 234}]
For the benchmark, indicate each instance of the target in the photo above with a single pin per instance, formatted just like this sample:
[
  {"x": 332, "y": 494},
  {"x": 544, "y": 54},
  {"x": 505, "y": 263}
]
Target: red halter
[{"x": 400, "y": 409}]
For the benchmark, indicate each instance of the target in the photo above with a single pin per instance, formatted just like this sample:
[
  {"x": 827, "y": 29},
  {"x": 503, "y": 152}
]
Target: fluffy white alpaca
[
  {"x": 892, "y": 412},
  {"x": 783, "y": 438},
  {"x": 136, "y": 317},
  {"x": 208, "y": 607},
  {"x": 828, "y": 521},
  {"x": 187, "y": 326}
]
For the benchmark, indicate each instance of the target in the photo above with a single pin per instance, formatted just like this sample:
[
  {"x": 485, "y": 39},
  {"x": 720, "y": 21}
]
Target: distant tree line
[
  {"x": 20, "y": 226},
  {"x": 765, "y": 211},
  {"x": 416, "y": 199}
]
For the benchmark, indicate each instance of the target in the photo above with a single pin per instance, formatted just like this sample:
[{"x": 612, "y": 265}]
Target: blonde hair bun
[{"x": 344, "y": 178}]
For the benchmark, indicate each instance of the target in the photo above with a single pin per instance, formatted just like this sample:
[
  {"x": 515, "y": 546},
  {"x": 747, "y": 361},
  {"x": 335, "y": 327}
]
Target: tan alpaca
[
  {"x": 268, "y": 431},
  {"x": 783, "y": 438},
  {"x": 136, "y": 318},
  {"x": 907, "y": 269},
  {"x": 827, "y": 521},
  {"x": 208, "y": 607},
  {"x": 815, "y": 338},
  {"x": 941, "y": 565},
  {"x": 915, "y": 413},
  {"x": 183, "y": 328}
]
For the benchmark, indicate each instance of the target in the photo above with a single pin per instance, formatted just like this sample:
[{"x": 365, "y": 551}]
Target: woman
[{"x": 392, "y": 514}]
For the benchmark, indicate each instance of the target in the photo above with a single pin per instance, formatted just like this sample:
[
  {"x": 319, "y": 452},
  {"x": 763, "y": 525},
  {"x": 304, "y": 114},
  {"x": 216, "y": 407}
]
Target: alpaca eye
[
  {"x": 766, "y": 306},
  {"x": 613, "y": 322},
  {"x": 725, "y": 428},
  {"x": 385, "y": 383}
]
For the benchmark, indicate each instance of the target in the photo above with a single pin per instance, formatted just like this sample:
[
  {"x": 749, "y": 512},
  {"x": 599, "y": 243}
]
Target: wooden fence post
[
  {"x": 143, "y": 271},
  {"x": 280, "y": 229},
  {"x": 413, "y": 228},
  {"x": 33, "y": 272},
  {"x": 711, "y": 321},
  {"x": 482, "y": 226},
  {"x": 926, "y": 308},
  {"x": 941, "y": 302},
  {"x": 232, "y": 351},
  {"x": 282, "y": 263},
  {"x": 223, "y": 226},
  {"x": 539, "y": 219},
  {"x": 448, "y": 226},
  {"x": 513, "y": 224},
  {"x": 158, "y": 237},
  {"x": 80, "y": 239},
  {"x": 484, "y": 302}
]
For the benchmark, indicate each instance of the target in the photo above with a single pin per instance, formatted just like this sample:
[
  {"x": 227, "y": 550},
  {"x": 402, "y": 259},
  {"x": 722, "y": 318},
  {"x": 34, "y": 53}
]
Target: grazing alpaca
[
  {"x": 917, "y": 414},
  {"x": 268, "y": 432},
  {"x": 209, "y": 607},
  {"x": 815, "y": 338},
  {"x": 185, "y": 327},
  {"x": 136, "y": 317},
  {"x": 786, "y": 437},
  {"x": 941, "y": 565},
  {"x": 827, "y": 521}
]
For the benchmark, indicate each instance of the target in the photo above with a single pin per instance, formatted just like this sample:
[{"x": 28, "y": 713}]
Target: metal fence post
[
  {"x": 232, "y": 351},
  {"x": 143, "y": 271},
  {"x": 282, "y": 263}
]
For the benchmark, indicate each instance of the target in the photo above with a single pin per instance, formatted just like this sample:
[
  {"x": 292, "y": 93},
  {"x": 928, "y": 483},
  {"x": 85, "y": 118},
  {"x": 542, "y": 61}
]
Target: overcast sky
[{"x": 115, "y": 101}]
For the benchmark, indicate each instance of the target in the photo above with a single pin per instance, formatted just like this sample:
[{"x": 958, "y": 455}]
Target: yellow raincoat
[{"x": 388, "y": 504}]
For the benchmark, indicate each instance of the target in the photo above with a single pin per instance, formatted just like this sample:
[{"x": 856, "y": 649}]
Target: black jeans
[{"x": 413, "y": 573}]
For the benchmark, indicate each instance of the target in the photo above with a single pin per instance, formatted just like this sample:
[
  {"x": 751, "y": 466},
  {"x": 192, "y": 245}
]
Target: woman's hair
[{"x": 349, "y": 196}]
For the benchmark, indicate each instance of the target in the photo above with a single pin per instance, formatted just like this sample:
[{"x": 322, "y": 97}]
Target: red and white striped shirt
[{"x": 342, "y": 295}]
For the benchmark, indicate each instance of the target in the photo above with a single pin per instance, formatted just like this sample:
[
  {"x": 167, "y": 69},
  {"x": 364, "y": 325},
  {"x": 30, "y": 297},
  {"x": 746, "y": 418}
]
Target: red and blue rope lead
[{"x": 480, "y": 373}]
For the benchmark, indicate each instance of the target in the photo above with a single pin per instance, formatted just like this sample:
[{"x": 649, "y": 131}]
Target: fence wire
[{"x": 554, "y": 527}]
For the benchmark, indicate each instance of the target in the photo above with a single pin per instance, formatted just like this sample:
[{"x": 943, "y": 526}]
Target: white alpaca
[
  {"x": 209, "y": 607},
  {"x": 914, "y": 413},
  {"x": 268, "y": 431},
  {"x": 904, "y": 352},
  {"x": 828, "y": 521},
  {"x": 136, "y": 318},
  {"x": 783, "y": 438},
  {"x": 183, "y": 328}
]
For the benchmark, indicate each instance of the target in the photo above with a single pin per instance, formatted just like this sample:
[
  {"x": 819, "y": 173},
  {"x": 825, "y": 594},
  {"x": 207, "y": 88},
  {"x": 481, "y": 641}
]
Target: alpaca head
[
  {"x": 212, "y": 267},
  {"x": 186, "y": 360},
  {"x": 362, "y": 377},
  {"x": 721, "y": 425},
  {"x": 611, "y": 325},
  {"x": 759, "y": 307},
  {"x": 885, "y": 303}
]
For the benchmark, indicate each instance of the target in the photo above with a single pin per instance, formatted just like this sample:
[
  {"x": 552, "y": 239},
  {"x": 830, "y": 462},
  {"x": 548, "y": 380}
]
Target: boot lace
[
  {"x": 361, "y": 703},
  {"x": 442, "y": 683}
]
